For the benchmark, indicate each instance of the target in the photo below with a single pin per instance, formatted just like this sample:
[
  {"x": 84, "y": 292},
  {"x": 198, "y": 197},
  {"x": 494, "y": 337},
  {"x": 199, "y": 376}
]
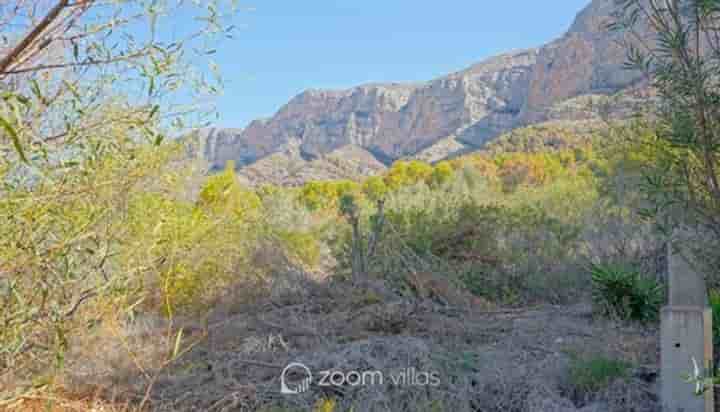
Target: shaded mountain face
[{"x": 460, "y": 111}]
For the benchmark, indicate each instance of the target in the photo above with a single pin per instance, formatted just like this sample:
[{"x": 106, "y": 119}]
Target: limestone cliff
[{"x": 460, "y": 111}]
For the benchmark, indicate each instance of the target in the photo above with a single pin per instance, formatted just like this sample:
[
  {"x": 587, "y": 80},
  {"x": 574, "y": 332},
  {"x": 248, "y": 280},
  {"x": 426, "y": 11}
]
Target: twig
[
  {"x": 85, "y": 296},
  {"x": 87, "y": 63}
]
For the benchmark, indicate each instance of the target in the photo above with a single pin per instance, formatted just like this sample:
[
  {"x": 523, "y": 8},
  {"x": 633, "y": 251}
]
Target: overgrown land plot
[{"x": 515, "y": 263}]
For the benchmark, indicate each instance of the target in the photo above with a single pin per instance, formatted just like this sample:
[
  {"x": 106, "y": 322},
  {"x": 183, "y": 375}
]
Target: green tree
[
  {"x": 675, "y": 43},
  {"x": 441, "y": 174},
  {"x": 89, "y": 90},
  {"x": 223, "y": 194},
  {"x": 404, "y": 173},
  {"x": 374, "y": 188}
]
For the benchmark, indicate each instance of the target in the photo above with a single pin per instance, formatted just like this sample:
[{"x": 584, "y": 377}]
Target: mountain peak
[
  {"x": 593, "y": 17},
  {"x": 468, "y": 107}
]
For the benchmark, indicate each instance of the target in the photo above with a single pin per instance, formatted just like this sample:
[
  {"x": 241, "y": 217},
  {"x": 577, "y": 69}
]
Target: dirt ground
[{"x": 485, "y": 359}]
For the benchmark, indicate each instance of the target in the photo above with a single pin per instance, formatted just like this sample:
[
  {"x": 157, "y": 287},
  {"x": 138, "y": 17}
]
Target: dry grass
[
  {"x": 491, "y": 359},
  {"x": 63, "y": 402}
]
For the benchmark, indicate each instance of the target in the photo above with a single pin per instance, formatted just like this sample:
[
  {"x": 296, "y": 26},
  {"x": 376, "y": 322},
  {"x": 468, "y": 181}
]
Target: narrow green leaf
[
  {"x": 22, "y": 99},
  {"x": 15, "y": 138},
  {"x": 72, "y": 89},
  {"x": 35, "y": 87},
  {"x": 154, "y": 111}
]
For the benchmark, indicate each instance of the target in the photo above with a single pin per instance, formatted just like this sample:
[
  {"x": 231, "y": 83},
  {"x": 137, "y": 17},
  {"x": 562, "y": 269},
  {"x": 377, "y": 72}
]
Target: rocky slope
[{"x": 454, "y": 113}]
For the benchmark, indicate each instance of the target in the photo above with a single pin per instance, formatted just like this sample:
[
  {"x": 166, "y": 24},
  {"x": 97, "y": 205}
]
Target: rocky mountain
[{"x": 372, "y": 125}]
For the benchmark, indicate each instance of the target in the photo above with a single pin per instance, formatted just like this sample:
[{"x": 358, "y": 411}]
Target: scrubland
[{"x": 526, "y": 278}]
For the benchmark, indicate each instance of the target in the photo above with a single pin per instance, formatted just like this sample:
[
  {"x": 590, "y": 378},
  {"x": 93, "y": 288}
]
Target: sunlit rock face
[
  {"x": 588, "y": 59},
  {"x": 469, "y": 107}
]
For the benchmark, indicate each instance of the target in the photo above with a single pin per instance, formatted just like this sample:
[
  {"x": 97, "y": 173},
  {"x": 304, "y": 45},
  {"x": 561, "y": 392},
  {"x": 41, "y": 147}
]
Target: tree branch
[
  {"x": 111, "y": 60},
  {"x": 53, "y": 14}
]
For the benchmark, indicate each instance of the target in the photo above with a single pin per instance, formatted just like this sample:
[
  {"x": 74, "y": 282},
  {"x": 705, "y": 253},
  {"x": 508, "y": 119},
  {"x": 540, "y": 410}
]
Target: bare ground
[{"x": 486, "y": 360}]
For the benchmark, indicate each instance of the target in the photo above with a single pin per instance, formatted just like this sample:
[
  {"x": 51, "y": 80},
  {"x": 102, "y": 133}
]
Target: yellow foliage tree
[
  {"x": 223, "y": 193},
  {"x": 441, "y": 174},
  {"x": 525, "y": 169},
  {"x": 325, "y": 195},
  {"x": 404, "y": 173},
  {"x": 374, "y": 188},
  {"x": 482, "y": 164}
]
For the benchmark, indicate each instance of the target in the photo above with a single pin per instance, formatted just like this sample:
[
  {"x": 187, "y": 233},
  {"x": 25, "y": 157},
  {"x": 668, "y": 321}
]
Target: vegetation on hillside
[
  {"x": 119, "y": 256},
  {"x": 509, "y": 228}
]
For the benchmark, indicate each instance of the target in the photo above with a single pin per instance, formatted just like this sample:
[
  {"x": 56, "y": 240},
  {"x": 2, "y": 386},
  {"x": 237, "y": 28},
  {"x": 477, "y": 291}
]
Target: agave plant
[{"x": 626, "y": 294}]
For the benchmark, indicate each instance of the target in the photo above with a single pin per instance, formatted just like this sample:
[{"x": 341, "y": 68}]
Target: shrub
[
  {"x": 592, "y": 374},
  {"x": 304, "y": 246},
  {"x": 222, "y": 194},
  {"x": 501, "y": 252},
  {"x": 625, "y": 294},
  {"x": 188, "y": 251}
]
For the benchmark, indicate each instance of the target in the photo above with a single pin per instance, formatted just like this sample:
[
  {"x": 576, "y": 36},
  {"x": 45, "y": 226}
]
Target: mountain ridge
[{"x": 460, "y": 111}]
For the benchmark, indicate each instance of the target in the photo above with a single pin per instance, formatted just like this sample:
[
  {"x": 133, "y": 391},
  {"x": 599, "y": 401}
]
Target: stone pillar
[{"x": 685, "y": 339}]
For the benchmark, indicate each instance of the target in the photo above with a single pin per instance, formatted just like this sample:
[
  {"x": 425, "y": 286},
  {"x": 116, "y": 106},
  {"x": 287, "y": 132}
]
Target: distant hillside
[{"x": 338, "y": 133}]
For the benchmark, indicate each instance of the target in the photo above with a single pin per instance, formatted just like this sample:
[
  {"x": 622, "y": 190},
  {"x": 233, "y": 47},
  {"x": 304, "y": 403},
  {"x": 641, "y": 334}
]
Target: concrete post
[{"x": 685, "y": 339}]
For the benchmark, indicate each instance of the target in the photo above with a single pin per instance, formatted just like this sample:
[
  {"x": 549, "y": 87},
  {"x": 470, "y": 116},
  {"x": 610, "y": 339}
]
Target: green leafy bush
[
  {"x": 304, "y": 246},
  {"x": 500, "y": 251},
  {"x": 625, "y": 294}
]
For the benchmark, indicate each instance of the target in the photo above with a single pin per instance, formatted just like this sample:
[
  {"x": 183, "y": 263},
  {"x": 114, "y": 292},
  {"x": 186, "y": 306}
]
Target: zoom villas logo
[{"x": 297, "y": 378}]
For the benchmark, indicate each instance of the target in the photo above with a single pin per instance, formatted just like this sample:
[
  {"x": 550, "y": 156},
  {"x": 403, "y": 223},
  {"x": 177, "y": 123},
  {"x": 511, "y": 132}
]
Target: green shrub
[
  {"x": 592, "y": 374},
  {"x": 625, "y": 294},
  {"x": 303, "y": 246}
]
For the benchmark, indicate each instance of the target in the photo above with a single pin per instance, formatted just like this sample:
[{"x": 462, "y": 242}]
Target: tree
[
  {"x": 374, "y": 188},
  {"x": 407, "y": 173},
  {"x": 89, "y": 89},
  {"x": 64, "y": 60},
  {"x": 676, "y": 43},
  {"x": 223, "y": 194},
  {"x": 441, "y": 173}
]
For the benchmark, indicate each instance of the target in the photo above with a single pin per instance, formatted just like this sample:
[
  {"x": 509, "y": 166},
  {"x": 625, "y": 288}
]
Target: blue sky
[{"x": 285, "y": 46}]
